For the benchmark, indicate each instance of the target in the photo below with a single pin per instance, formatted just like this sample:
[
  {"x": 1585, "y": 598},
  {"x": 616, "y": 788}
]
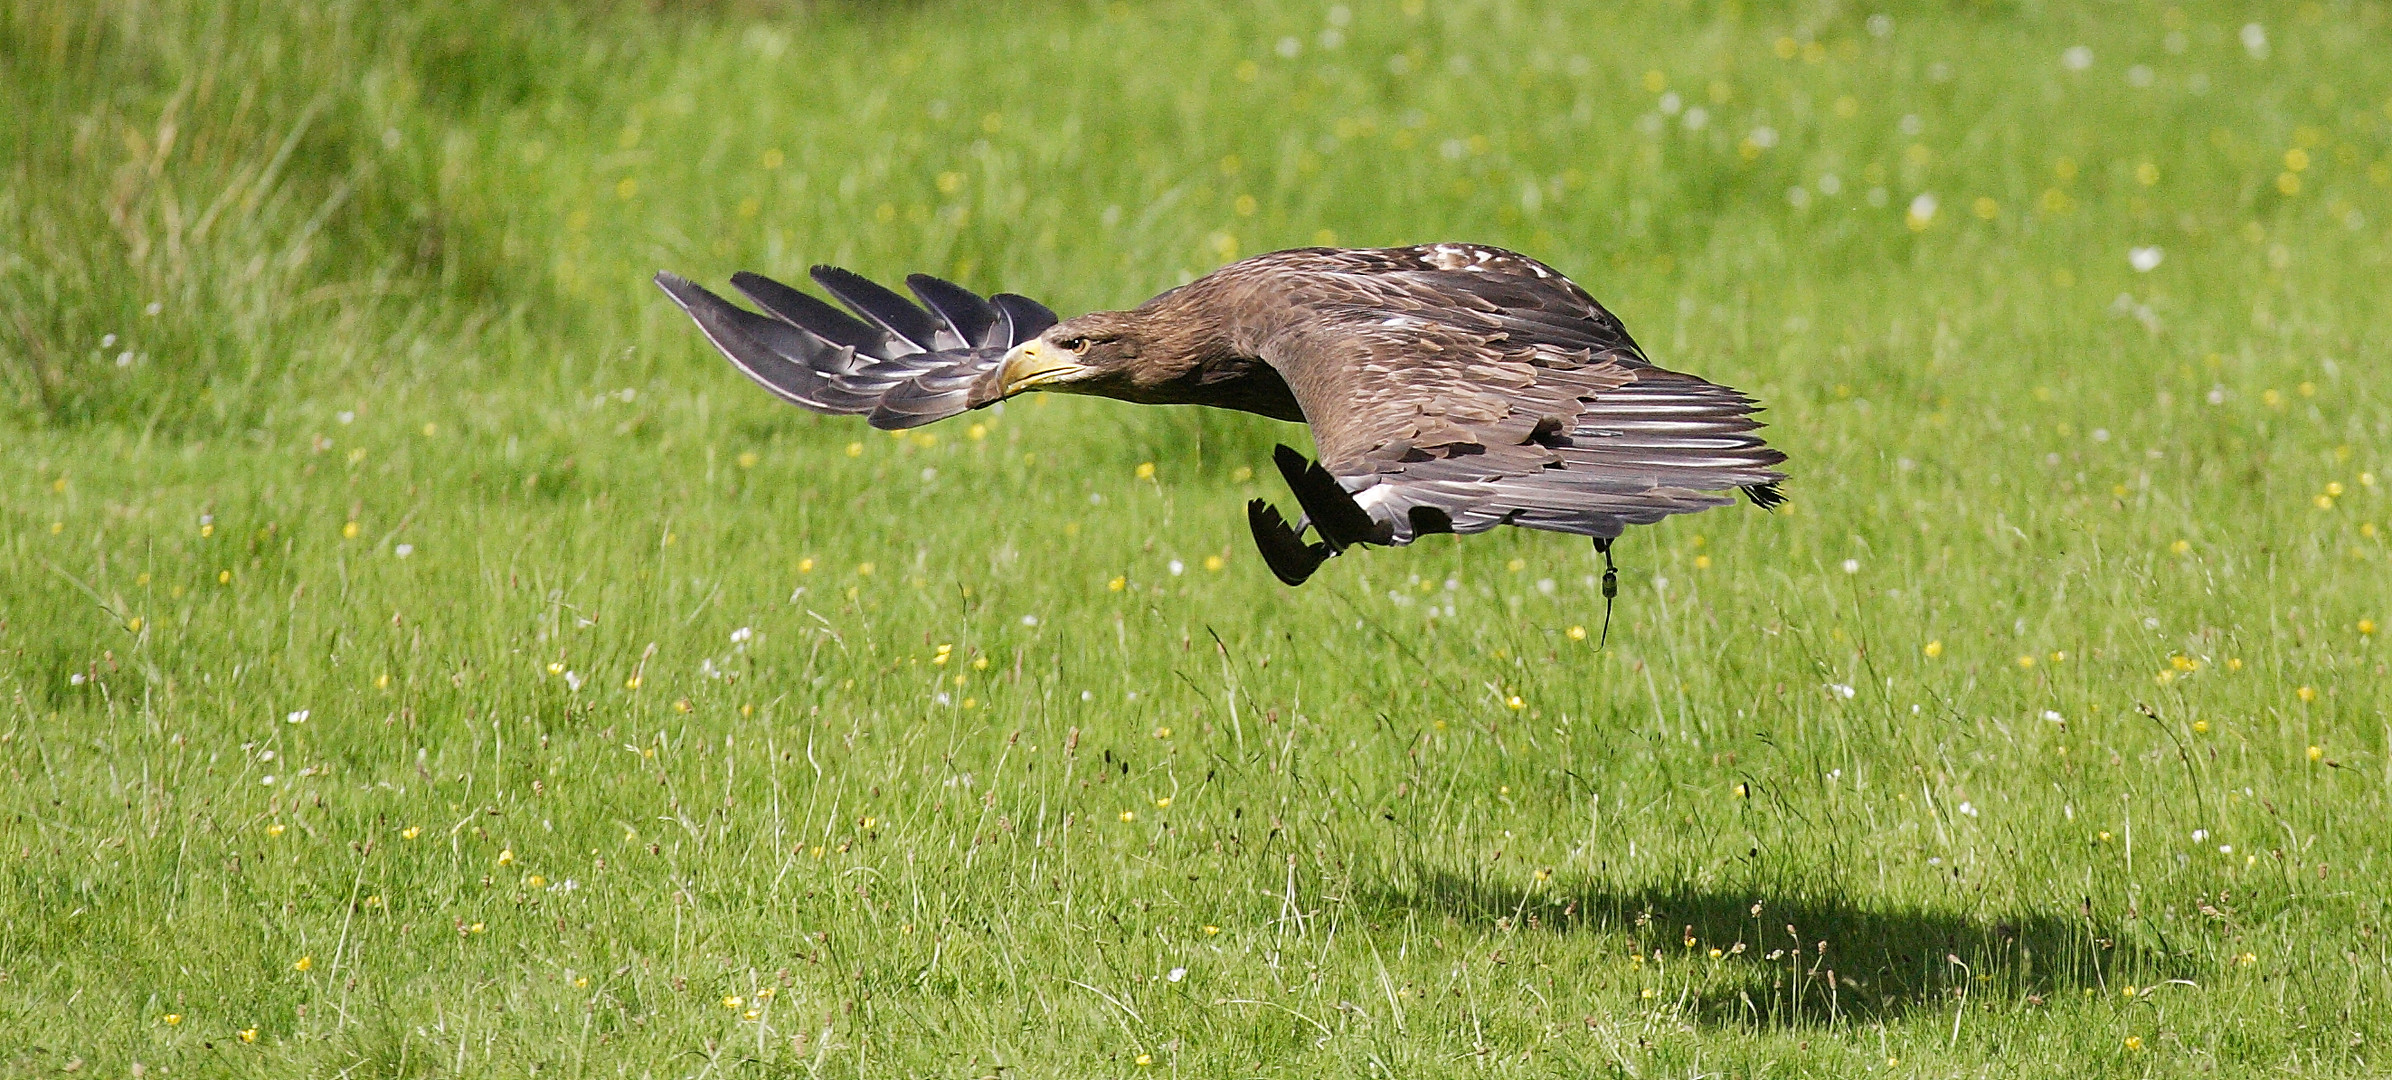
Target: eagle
[{"x": 1450, "y": 388}]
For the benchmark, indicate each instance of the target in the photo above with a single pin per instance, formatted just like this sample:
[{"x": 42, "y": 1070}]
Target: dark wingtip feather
[
  {"x": 814, "y": 316},
  {"x": 1025, "y": 318},
  {"x": 1765, "y": 496},
  {"x": 973, "y": 321},
  {"x": 1291, "y": 559},
  {"x": 676, "y": 286},
  {"x": 782, "y": 358},
  {"x": 879, "y": 306}
]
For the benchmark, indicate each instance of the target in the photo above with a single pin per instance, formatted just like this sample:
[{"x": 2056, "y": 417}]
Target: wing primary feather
[
  {"x": 972, "y": 321},
  {"x": 749, "y": 340},
  {"x": 1024, "y": 318},
  {"x": 1765, "y": 496},
  {"x": 811, "y": 315},
  {"x": 1291, "y": 559},
  {"x": 879, "y": 306},
  {"x": 1342, "y": 522}
]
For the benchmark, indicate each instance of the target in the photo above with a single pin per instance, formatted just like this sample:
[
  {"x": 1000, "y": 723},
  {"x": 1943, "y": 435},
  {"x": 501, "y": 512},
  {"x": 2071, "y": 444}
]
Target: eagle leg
[
  {"x": 1290, "y": 558},
  {"x": 1330, "y": 508},
  {"x": 1611, "y": 586}
]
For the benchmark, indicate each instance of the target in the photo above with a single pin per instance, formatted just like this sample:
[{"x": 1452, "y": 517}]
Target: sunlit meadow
[{"x": 423, "y": 656}]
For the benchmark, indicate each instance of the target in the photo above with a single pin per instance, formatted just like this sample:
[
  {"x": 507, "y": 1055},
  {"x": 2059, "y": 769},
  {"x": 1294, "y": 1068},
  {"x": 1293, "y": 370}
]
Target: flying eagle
[{"x": 1449, "y": 387}]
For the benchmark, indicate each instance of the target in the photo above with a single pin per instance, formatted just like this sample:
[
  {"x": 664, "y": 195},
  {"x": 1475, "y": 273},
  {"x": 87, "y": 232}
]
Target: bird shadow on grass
[{"x": 1766, "y": 958}]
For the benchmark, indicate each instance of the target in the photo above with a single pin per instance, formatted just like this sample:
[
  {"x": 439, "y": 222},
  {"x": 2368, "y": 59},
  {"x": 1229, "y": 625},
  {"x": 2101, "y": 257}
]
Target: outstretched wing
[
  {"x": 1454, "y": 388},
  {"x": 899, "y": 364}
]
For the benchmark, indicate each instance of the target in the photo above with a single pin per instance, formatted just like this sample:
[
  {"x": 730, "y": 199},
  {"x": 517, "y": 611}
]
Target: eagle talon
[
  {"x": 1329, "y": 507},
  {"x": 1291, "y": 559},
  {"x": 1611, "y": 587}
]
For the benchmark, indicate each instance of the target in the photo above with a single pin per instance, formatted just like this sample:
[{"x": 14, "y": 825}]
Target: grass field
[{"x": 424, "y": 657}]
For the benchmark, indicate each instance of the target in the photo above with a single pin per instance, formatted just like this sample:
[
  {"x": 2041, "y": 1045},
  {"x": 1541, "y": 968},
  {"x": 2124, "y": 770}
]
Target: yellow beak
[{"x": 1034, "y": 364}]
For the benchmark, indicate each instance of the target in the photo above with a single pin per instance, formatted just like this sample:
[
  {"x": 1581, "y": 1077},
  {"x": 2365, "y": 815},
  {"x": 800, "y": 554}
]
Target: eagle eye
[{"x": 1072, "y": 344}]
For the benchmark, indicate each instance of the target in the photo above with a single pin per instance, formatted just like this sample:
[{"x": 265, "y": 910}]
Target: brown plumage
[{"x": 1449, "y": 387}]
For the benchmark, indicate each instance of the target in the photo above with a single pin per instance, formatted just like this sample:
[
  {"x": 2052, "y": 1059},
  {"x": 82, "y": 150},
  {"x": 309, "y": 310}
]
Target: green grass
[{"x": 1933, "y": 775}]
